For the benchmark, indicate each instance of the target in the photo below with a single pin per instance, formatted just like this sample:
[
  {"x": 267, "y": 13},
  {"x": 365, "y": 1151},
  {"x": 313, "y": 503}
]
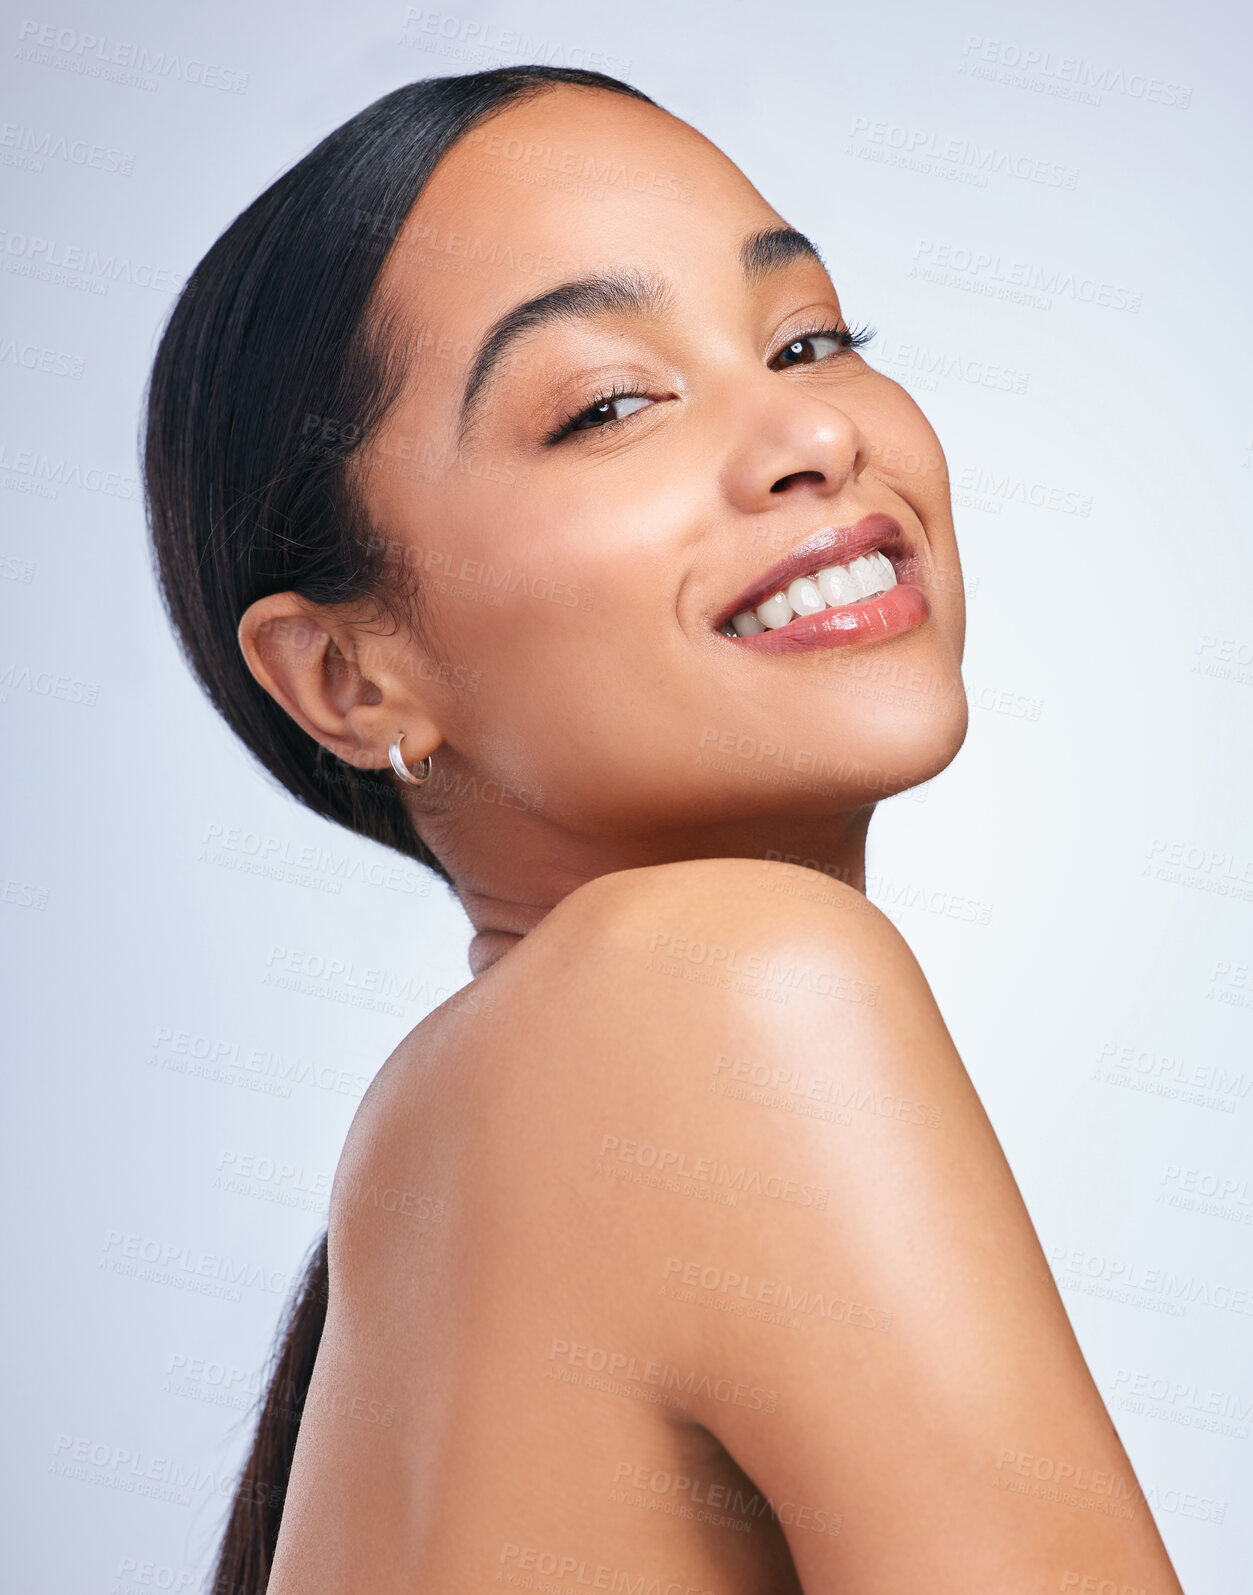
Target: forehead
[{"x": 567, "y": 182}]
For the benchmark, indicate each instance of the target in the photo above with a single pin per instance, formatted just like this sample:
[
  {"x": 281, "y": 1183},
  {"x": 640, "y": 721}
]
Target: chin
[
  {"x": 901, "y": 711},
  {"x": 913, "y": 756},
  {"x": 892, "y": 747}
]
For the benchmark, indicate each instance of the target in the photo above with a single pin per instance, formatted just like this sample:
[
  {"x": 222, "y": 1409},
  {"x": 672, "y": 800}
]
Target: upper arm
[{"x": 872, "y": 1326}]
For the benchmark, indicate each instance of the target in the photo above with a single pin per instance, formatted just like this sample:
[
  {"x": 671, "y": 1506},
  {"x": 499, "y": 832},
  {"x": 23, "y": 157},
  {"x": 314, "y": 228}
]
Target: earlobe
[
  {"x": 306, "y": 657},
  {"x": 414, "y": 776}
]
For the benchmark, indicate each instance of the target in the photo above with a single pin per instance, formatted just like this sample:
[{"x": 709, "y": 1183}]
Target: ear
[{"x": 336, "y": 679}]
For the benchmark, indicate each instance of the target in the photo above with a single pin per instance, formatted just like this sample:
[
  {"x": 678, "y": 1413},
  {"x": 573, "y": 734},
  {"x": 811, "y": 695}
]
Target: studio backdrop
[{"x": 1041, "y": 211}]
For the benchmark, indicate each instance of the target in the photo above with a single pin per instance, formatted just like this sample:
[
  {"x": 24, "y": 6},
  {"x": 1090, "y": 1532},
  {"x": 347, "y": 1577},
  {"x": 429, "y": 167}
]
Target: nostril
[{"x": 785, "y": 482}]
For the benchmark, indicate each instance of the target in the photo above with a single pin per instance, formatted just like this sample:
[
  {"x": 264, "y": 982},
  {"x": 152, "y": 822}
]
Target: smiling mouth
[
  {"x": 834, "y": 587},
  {"x": 841, "y": 585}
]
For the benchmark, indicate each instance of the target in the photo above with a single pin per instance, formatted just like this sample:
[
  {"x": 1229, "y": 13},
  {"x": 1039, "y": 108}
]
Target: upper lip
[{"x": 831, "y": 545}]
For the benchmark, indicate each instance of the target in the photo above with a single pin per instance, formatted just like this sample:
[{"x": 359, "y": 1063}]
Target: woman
[{"x": 522, "y": 500}]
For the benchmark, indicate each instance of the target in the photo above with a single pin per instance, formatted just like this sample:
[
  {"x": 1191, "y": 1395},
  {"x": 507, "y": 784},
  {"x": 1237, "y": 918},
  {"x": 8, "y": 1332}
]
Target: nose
[{"x": 789, "y": 442}]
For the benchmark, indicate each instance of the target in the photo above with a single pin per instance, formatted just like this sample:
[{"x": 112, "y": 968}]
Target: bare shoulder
[
  {"x": 653, "y": 991},
  {"x": 729, "y": 1031},
  {"x": 706, "y": 1125},
  {"x": 708, "y": 973},
  {"x": 706, "y": 933},
  {"x": 753, "y": 897}
]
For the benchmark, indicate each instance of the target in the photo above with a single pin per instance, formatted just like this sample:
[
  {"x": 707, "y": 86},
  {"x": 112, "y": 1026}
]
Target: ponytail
[{"x": 247, "y": 1551}]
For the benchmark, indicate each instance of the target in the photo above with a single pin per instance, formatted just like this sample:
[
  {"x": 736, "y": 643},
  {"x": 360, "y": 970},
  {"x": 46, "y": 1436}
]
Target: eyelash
[{"x": 848, "y": 337}]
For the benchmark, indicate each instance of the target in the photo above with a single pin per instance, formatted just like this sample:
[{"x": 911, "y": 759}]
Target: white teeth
[
  {"x": 838, "y": 585},
  {"x": 774, "y": 612},
  {"x": 884, "y": 573},
  {"x": 833, "y": 587},
  {"x": 869, "y": 574},
  {"x": 804, "y": 597}
]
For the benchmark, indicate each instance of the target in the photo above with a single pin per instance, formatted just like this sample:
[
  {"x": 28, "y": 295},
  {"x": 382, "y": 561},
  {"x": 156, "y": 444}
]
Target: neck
[
  {"x": 488, "y": 946},
  {"x": 507, "y": 896}
]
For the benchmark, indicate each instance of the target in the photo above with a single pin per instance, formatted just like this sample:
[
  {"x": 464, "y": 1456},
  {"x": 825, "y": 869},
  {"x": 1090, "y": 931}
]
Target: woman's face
[{"x": 580, "y": 556}]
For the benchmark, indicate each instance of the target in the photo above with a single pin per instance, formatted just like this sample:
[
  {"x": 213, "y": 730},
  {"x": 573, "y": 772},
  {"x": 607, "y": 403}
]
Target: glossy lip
[
  {"x": 889, "y": 614},
  {"x": 833, "y": 545}
]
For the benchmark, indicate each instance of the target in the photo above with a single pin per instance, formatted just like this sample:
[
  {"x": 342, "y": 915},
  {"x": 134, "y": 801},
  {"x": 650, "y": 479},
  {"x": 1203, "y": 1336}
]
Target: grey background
[{"x": 1078, "y": 886}]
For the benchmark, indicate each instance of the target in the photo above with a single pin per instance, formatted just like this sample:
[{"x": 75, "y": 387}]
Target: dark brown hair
[{"x": 276, "y": 367}]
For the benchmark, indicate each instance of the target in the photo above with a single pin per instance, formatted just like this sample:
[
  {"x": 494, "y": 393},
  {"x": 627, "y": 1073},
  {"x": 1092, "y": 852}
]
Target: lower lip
[{"x": 891, "y": 614}]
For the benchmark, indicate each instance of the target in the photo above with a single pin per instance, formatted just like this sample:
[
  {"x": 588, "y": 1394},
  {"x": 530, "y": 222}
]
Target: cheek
[
  {"x": 571, "y": 628},
  {"x": 904, "y": 449},
  {"x": 581, "y": 564},
  {"x": 532, "y": 627}
]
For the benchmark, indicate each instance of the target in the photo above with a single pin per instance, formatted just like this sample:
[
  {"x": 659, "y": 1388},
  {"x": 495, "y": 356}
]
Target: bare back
[{"x": 677, "y": 1255}]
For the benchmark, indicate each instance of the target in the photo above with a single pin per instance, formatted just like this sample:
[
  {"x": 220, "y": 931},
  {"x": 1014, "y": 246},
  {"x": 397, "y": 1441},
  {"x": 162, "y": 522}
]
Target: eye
[
  {"x": 820, "y": 343},
  {"x": 605, "y": 411}
]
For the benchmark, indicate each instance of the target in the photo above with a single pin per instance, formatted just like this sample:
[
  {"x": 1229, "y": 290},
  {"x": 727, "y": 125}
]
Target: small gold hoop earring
[{"x": 414, "y": 775}]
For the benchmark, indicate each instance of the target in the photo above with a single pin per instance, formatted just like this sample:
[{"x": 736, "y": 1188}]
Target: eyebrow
[
  {"x": 773, "y": 248},
  {"x": 625, "y": 292}
]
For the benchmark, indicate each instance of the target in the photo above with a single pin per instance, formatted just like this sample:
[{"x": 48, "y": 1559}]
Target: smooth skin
[{"x": 676, "y": 1252}]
